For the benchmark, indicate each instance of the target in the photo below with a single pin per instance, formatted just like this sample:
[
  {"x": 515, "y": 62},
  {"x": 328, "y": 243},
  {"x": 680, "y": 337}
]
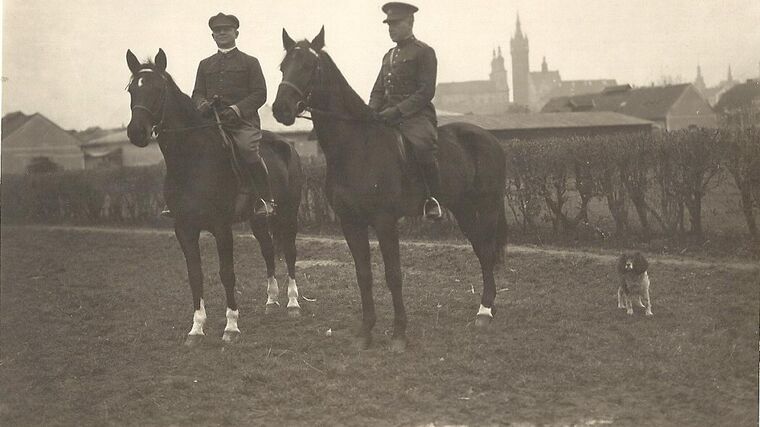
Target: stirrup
[
  {"x": 432, "y": 209},
  {"x": 264, "y": 208}
]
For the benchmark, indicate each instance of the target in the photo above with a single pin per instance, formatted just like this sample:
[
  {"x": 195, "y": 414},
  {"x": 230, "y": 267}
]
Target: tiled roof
[
  {"x": 546, "y": 120},
  {"x": 740, "y": 96},
  {"x": 13, "y": 121},
  {"x": 651, "y": 103}
]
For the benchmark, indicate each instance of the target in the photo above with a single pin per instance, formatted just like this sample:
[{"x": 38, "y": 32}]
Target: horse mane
[{"x": 351, "y": 101}]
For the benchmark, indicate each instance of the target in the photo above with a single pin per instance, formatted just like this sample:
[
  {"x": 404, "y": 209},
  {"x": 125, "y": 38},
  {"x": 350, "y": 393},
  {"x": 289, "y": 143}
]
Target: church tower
[
  {"x": 520, "y": 66},
  {"x": 498, "y": 73},
  {"x": 699, "y": 82}
]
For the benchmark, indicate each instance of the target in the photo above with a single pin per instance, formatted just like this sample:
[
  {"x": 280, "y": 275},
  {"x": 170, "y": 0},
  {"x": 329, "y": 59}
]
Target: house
[
  {"x": 29, "y": 140},
  {"x": 544, "y": 125},
  {"x": 114, "y": 149},
  {"x": 740, "y": 105},
  {"x": 669, "y": 107}
]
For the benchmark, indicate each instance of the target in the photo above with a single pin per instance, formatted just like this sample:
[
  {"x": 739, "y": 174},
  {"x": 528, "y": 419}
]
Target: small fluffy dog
[{"x": 634, "y": 282}]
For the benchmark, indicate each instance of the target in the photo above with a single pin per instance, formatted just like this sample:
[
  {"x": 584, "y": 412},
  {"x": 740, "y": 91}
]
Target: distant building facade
[
  {"x": 530, "y": 89},
  {"x": 34, "y": 139},
  {"x": 713, "y": 94}
]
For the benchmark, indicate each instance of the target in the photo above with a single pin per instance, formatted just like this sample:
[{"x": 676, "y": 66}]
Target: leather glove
[
  {"x": 228, "y": 116},
  {"x": 390, "y": 115},
  {"x": 205, "y": 108}
]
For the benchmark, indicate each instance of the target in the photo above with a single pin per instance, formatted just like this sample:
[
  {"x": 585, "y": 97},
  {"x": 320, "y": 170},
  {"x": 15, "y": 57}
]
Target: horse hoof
[
  {"x": 483, "y": 321},
  {"x": 294, "y": 312},
  {"x": 271, "y": 308},
  {"x": 230, "y": 337},
  {"x": 193, "y": 340},
  {"x": 398, "y": 345}
]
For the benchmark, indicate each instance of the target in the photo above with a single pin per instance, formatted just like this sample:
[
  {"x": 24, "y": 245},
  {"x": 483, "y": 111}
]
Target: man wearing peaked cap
[
  {"x": 222, "y": 20},
  {"x": 233, "y": 83},
  {"x": 403, "y": 93}
]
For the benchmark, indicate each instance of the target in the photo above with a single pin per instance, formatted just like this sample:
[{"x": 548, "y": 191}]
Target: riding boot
[
  {"x": 265, "y": 204},
  {"x": 431, "y": 177}
]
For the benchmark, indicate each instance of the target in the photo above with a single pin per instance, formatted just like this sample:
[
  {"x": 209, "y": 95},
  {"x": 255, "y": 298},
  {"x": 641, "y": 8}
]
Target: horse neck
[
  {"x": 339, "y": 137},
  {"x": 185, "y": 146}
]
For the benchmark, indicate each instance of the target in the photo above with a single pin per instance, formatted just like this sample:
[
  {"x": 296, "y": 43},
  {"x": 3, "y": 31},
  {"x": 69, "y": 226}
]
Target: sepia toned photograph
[{"x": 372, "y": 213}]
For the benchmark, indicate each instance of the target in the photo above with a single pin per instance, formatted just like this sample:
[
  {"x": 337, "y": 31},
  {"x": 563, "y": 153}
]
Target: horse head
[
  {"x": 299, "y": 72},
  {"x": 147, "y": 90}
]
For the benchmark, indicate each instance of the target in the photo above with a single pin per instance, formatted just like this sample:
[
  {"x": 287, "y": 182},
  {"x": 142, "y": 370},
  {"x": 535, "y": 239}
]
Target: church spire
[
  {"x": 730, "y": 77},
  {"x": 518, "y": 30}
]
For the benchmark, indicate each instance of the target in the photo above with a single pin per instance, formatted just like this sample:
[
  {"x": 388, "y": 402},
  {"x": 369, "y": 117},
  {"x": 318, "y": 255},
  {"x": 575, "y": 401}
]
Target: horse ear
[
  {"x": 132, "y": 62},
  {"x": 160, "y": 60},
  {"x": 319, "y": 41},
  {"x": 287, "y": 42}
]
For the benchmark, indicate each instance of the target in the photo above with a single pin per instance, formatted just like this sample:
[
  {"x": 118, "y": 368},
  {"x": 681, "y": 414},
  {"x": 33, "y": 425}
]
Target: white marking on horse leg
[
  {"x": 272, "y": 291},
  {"x": 482, "y": 311},
  {"x": 232, "y": 319},
  {"x": 199, "y": 318},
  {"x": 292, "y": 294}
]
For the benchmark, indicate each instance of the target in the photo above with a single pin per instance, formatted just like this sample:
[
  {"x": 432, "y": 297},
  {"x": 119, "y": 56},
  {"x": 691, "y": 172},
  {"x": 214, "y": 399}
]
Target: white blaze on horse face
[
  {"x": 140, "y": 82},
  {"x": 482, "y": 311},
  {"x": 232, "y": 319},
  {"x": 292, "y": 293},
  {"x": 199, "y": 318},
  {"x": 272, "y": 291}
]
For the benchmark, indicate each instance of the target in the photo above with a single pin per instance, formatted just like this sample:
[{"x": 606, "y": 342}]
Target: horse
[
  {"x": 371, "y": 182},
  {"x": 199, "y": 163}
]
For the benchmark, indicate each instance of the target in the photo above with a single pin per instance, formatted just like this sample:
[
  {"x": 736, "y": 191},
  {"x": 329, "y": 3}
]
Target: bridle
[
  {"x": 305, "y": 94},
  {"x": 304, "y": 103},
  {"x": 156, "y": 126}
]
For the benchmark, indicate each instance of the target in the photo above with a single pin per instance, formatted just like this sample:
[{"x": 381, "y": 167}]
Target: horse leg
[
  {"x": 260, "y": 230},
  {"x": 224, "y": 248},
  {"x": 188, "y": 236},
  {"x": 286, "y": 236},
  {"x": 387, "y": 234},
  {"x": 480, "y": 229},
  {"x": 357, "y": 237}
]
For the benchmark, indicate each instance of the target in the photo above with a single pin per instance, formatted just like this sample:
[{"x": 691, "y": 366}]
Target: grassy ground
[{"x": 92, "y": 326}]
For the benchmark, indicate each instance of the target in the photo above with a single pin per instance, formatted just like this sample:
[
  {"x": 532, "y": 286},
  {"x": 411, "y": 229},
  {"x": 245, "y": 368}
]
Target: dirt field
[{"x": 92, "y": 324}]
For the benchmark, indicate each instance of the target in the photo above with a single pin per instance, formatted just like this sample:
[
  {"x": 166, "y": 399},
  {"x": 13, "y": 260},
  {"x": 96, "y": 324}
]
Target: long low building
[
  {"x": 114, "y": 149},
  {"x": 544, "y": 125},
  {"x": 34, "y": 140}
]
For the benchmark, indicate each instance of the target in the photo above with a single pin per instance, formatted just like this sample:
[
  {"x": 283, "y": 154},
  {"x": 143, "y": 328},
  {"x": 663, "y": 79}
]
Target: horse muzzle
[{"x": 139, "y": 135}]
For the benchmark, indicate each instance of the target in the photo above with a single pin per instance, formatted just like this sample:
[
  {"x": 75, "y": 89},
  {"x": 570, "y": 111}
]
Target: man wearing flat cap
[
  {"x": 232, "y": 82},
  {"x": 403, "y": 93}
]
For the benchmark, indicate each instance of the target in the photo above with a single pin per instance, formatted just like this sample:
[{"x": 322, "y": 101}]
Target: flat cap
[
  {"x": 222, "y": 20},
  {"x": 397, "y": 10}
]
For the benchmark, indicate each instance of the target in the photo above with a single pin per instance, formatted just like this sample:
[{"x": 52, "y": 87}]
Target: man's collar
[
  {"x": 406, "y": 41},
  {"x": 227, "y": 50}
]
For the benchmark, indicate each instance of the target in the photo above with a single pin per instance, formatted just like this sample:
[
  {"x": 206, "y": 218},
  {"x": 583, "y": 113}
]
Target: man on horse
[
  {"x": 402, "y": 96},
  {"x": 232, "y": 83}
]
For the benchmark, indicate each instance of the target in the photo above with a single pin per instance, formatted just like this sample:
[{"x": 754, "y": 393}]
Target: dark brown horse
[
  {"x": 199, "y": 164},
  {"x": 370, "y": 182}
]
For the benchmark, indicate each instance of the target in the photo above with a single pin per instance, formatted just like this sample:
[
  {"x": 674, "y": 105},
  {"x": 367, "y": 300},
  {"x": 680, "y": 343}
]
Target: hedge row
[{"x": 660, "y": 179}]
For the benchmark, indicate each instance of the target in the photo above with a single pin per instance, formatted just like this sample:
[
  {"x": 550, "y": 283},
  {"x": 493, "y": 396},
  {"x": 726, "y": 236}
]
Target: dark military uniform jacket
[
  {"x": 237, "y": 79},
  {"x": 407, "y": 80}
]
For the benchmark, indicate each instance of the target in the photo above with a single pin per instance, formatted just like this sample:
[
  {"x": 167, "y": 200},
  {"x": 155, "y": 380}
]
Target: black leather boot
[
  {"x": 264, "y": 206},
  {"x": 432, "y": 209}
]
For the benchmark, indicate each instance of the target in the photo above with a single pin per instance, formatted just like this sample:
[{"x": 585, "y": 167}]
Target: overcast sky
[{"x": 65, "y": 59}]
